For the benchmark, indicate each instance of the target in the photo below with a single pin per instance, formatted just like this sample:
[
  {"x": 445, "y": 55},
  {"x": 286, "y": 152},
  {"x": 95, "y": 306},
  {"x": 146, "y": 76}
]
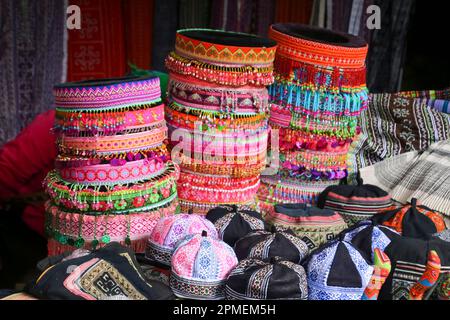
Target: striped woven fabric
[
  {"x": 428, "y": 94},
  {"x": 394, "y": 125},
  {"x": 437, "y": 104},
  {"x": 421, "y": 175}
]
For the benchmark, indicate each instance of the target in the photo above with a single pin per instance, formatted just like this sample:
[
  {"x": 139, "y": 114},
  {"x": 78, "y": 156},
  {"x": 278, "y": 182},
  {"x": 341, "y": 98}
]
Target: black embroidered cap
[
  {"x": 233, "y": 223},
  {"x": 409, "y": 261},
  {"x": 273, "y": 279},
  {"x": 262, "y": 245},
  {"x": 355, "y": 203},
  {"x": 109, "y": 272},
  {"x": 367, "y": 236},
  {"x": 412, "y": 220},
  {"x": 314, "y": 226}
]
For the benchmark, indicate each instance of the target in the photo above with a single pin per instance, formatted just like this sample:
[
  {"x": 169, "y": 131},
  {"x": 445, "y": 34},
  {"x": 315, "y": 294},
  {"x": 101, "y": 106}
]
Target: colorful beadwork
[
  {"x": 205, "y": 50},
  {"x": 318, "y": 94},
  {"x": 113, "y": 179},
  {"x": 217, "y": 116}
]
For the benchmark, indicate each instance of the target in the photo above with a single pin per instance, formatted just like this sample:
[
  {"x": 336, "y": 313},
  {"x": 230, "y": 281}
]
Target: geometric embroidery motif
[{"x": 104, "y": 280}]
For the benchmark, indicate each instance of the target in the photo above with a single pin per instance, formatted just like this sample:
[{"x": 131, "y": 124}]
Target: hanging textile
[
  {"x": 355, "y": 17},
  {"x": 298, "y": 11},
  {"x": 341, "y": 15},
  {"x": 436, "y": 99},
  {"x": 97, "y": 50},
  {"x": 249, "y": 16},
  {"x": 388, "y": 46},
  {"x": 138, "y": 20},
  {"x": 165, "y": 25},
  {"x": 32, "y": 56},
  {"x": 318, "y": 15},
  {"x": 194, "y": 14}
]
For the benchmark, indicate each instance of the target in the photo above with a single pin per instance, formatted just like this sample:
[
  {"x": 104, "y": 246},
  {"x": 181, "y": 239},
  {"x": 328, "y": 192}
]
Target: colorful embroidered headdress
[
  {"x": 217, "y": 115},
  {"x": 233, "y": 223},
  {"x": 170, "y": 230},
  {"x": 200, "y": 267},
  {"x": 314, "y": 226},
  {"x": 356, "y": 203},
  {"x": 412, "y": 220},
  {"x": 113, "y": 180},
  {"x": 318, "y": 94}
]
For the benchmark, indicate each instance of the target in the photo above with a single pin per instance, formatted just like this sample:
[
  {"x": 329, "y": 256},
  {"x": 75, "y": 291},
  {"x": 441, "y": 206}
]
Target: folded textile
[
  {"x": 436, "y": 99},
  {"x": 428, "y": 94},
  {"x": 421, "y": 175},
  {"x": 394, "y": 125}
]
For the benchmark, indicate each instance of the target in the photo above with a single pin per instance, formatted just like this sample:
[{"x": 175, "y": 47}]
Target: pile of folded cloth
[
  {"x": 318, "y": 95},
  {"x": 113, "y": 180},
  {"x": 217, "y": 115}
]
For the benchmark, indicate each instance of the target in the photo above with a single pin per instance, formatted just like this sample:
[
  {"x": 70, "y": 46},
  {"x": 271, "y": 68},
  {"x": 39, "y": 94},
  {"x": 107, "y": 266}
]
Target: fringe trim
[
  {"x": 331, "y": 78},
  {"x": 309, "y": 101}
]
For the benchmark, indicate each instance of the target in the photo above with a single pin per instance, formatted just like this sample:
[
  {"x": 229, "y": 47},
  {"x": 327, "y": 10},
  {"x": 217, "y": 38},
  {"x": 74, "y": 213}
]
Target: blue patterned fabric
[
  {"x": 378, "y": 239},
  {"x": 320, "y": 266},
  {"x": 206, "y": 264}
]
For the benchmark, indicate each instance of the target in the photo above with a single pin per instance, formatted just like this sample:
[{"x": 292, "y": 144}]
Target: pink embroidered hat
[
  {"x": 170, "y": 230},
  {"x": 200, "y": 267}
]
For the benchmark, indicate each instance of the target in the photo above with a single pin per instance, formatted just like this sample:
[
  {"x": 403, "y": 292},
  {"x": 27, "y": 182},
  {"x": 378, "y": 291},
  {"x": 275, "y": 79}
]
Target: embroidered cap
[
  {"x": 200, "y": 266},
  {"x": 107, "y": 273},
  {"x": 338, "y": 271},
  {"x": 262, "y": 245},
  {"x": 232, "y": 223},
  {"x": 356, "y": 203},
  {"x": 314, "y": 226},
  {"x": 273, "y": 279},
  {"x": 415, "y": 261},
  {"x": 413, "y": 221},
  {"x": 170, "y": 230},
  {"x": 367, "y": 236}
]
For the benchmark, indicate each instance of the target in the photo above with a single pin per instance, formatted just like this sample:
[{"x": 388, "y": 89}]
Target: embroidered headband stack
[
  {"x": 217, "y": 115},
  {"x": 318, "y": 95},
  {"x": 113, "y": 180}
]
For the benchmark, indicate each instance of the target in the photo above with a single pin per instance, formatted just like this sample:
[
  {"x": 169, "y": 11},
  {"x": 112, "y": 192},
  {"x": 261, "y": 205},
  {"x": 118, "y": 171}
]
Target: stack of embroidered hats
[
  {"x": 217, "y": 116},
  {"x": 113, "y": 180},
  {"x": 318, "y": 94}
]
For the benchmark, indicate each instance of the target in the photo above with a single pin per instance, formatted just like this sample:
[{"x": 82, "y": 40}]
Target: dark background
[{"x": 427, "y": 63}]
